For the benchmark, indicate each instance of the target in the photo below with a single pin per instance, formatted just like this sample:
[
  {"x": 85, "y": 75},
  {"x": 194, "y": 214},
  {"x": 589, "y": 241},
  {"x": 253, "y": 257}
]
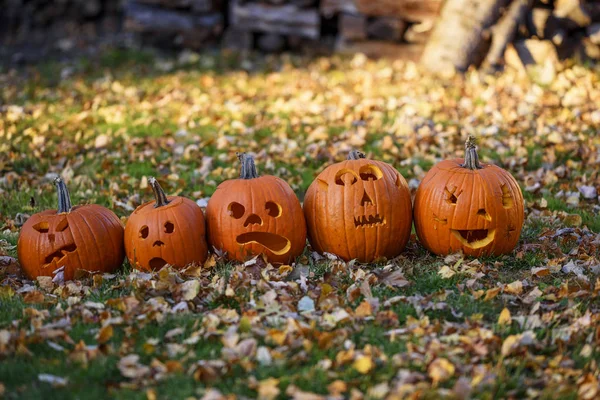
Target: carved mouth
[
  {"x": 474, "y": 238},
  {"x": 368, "y": 221},
  {"x": 277, "y": 244},
  {"x": 60, "y": 256},
  {"x": 157, "y": 263}
]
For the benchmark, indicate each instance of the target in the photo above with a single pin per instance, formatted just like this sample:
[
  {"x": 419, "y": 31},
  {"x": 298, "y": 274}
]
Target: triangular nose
[
  {"x": 253, "y": 219},
  {"x": 366, "y": 200}
]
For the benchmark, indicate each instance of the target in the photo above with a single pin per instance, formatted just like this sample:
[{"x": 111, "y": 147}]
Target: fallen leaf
[
  {"x": 515, "y": 287},
  {"x": 504, "y": 318},
  {"x": 440, "y": 370},
  {"x": 363, "y": 364},
  {"x": 446, "y": 272}
]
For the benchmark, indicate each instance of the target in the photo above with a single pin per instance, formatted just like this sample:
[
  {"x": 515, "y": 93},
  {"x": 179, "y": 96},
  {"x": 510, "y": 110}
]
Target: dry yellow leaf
[
  {"x": 440, "y": 370},
  {"x": 510, "y": 344},
  {"x": 491, "y": 293},
  {"x": 364, "y": 309},
  {"x": 268, "y": 389},
  {"x": 504, "y": 318},
  {"x": 337, "y": 387},
  {"x": 105, "y": 334},
  {"x": 515, "y": 287},
  {"x": 363, "y": 364},
  {"x": 446, "y": 273}
]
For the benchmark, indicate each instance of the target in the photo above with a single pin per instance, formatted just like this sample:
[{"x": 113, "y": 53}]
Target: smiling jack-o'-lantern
[
  {"x": 470, "y": 206},
  {"x": 359, "y": 209},
  {"x": 88, "y": 237},
  {"x": 253, "y": 215},
  {"x": 168, "y": 230}
]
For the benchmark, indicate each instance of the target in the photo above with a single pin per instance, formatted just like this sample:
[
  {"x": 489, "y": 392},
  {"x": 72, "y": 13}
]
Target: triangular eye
[
  {"x": 322, "y": 184},
  {"x": 41, "y": 227},
  {"x": 62, "y": 225},
  {"x": 452, "y": 195},
  {"x": 398, "y": 181}
]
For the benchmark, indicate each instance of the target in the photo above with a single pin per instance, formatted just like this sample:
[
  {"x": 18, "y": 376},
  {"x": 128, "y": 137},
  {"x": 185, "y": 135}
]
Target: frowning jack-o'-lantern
[
  {"x": 167, "y": 230},
  {"x": 359, "y": 208},
  {"x": 253, "y": 215},
  {"x": 87, "y": 237},
  {"x": 470, "y": 206}
]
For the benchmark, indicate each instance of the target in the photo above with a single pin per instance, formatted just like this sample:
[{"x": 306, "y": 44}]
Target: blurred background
[{"x": 451, "y": 33}]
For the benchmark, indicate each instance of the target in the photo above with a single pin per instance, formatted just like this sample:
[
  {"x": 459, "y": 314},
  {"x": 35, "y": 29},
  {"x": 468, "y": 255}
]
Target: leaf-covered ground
[{"x": 419, "y": 326}]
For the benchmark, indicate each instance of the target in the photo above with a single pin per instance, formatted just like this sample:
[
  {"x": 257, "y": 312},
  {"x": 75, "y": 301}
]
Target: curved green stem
[
  {"x": 64, "y": 200},
  {"x": 248, "y": 169},
  {"x": 159, "y": 194}
]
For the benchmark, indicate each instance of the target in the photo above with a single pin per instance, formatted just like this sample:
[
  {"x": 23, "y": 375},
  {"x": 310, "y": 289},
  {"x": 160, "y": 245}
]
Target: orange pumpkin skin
[
  {"x": 477, "y": 211},
  {"x": 168, "y": 230},
  {"x": 256, "y": 215},
  {"x": 88, "y": 237},
  {"x": 359, "y": 209}
]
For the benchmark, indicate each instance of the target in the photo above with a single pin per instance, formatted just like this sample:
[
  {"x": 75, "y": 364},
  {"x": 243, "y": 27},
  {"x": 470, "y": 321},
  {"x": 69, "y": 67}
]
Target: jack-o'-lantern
[
  {"x": 359, "y": 209},
  {"x": 470, "y": 206},
  {"x": 87, "y": 237},
  {"x": 253, "y": 215},
  {"x": 167, "y": 230}
]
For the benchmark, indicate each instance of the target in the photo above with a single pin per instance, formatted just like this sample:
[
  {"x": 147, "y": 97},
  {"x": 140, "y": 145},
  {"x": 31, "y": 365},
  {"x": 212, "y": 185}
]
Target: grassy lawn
[{"x": 418, "y": 326}]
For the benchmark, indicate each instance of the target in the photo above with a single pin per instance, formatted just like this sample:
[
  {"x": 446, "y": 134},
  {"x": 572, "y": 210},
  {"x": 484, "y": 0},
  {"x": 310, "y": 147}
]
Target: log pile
[
  {"x": 513, "y": 33},
  {"x": 391, "y": 28},
  {"x": 183, "y": 23},
  {"x": 37, "y": 21},
  {"x": 272, "y": 25},
  {"x": 444, "y": 34}
]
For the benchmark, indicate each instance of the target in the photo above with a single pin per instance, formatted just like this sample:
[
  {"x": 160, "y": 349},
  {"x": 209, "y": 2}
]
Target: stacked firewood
[
  {"x": 395, "y": 28},
  {"x": 272, "y": 25},
  {"x": 182, "y": 23},
  {"x": 35, "y": 21},
  {"x": 516, "y": 33},
  {"x": 556, "y": 30}
]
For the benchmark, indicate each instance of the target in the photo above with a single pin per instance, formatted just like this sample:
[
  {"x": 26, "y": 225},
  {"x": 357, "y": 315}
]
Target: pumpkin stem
[
  {"x": 64, "y": 200},
  {"x": 355, "y": 155},
  {"x": 159, "y": 193},
  {"x": 471, "y": 157},
  {"x": 248, "y": 170}
]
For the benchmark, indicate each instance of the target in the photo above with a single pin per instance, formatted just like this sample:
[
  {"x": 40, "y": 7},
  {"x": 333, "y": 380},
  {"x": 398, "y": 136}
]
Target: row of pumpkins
[{"x": 356, "y": 209}]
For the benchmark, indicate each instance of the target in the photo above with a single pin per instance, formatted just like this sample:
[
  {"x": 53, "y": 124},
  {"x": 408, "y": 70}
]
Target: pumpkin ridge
[
  {"x": 111, "y": 224},
  {"x": 99, "y": 217},
  {"x": 92, "y": 235},
  {"x": 77, "y": 227}
]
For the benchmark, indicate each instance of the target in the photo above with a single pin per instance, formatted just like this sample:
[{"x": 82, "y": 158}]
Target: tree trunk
[{"x": 459, "y": 33}]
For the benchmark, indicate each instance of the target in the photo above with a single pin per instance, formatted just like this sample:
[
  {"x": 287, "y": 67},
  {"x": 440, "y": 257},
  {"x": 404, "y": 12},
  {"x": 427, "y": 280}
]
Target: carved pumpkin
[
  {"x": 253, "y": 215},
  {"x": 87, "y": 237},
  {"x": 168, "y": 230},
  {"x": 359, "y": 209},
  {"x": 470, "y": 206}
]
